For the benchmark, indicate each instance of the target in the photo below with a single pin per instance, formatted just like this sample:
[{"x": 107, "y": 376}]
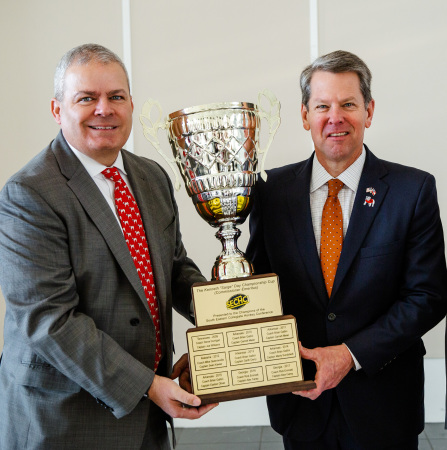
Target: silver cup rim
[{"x": 212, "y": 107}]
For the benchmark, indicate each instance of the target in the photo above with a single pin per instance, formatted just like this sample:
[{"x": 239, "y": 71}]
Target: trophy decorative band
[{"x": 216, "y": 148}]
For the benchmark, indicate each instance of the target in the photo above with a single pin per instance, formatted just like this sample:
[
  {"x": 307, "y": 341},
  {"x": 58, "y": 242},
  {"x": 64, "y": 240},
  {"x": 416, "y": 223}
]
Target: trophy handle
[
  {"x": 273, "y": 119},
  {"x": 150, "y": 130}
]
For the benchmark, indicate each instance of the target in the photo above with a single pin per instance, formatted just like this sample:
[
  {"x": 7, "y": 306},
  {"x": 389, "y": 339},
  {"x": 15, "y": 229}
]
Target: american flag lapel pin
[{"x": 369, "y": 200}]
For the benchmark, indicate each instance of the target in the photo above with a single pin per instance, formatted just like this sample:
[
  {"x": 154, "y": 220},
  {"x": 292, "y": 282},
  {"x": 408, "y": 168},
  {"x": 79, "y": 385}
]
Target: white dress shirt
[
  {"x": 106, "y": 186},
  {"x": 319, "y": 189}
]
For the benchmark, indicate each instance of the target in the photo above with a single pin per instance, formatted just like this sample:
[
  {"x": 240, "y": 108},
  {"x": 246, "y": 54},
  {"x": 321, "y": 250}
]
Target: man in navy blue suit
[{"x": 361, "y": 338}]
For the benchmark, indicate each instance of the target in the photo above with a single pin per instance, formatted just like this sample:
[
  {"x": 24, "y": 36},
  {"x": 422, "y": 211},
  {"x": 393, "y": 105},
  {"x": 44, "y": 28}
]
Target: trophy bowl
[{"x": 216, "y": 148}]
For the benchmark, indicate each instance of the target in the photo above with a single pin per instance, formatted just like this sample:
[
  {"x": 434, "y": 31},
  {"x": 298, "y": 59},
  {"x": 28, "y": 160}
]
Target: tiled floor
[{"x": 434, "y": 437}]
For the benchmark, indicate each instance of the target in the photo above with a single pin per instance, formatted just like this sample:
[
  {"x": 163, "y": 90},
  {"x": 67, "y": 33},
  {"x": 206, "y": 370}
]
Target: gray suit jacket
[{"x": 78, "y": 333}]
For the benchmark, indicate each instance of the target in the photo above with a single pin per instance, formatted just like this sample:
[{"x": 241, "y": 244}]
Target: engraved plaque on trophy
[
  {"x": 237, "y": 299},
  {"x": 242, "y": 345},
  {"x": 245, "y": 359}
]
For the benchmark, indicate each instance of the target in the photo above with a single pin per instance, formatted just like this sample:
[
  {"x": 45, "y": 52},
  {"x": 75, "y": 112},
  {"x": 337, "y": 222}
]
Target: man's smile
[{"x": 345, "y": 133}]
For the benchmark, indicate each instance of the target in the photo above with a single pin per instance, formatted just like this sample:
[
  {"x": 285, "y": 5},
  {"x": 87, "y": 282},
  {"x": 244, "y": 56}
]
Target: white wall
[{"x": 196, "y": 52}]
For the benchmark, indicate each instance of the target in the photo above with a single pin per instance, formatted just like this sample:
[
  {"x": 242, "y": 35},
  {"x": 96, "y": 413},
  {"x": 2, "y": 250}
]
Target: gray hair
[
  {"x": 337, "y": 62},
  {"x": 82, "y": 55}
]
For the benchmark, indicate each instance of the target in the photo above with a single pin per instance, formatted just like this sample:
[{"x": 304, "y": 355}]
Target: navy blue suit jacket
[{"x": 390, "y": 289}]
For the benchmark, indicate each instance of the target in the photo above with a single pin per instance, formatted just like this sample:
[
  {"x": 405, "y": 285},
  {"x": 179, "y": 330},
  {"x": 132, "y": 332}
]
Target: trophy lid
[{"x": 212, "y": 107}]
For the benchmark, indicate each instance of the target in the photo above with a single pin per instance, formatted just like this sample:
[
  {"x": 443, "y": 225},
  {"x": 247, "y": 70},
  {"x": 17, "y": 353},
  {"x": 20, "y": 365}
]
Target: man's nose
[
  {"x": 336, "y": 114},
  {"x": 104, "y": 107}
]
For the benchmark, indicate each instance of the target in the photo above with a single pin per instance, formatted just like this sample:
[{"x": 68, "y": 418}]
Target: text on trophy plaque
[{"x": 248, "y": 358}]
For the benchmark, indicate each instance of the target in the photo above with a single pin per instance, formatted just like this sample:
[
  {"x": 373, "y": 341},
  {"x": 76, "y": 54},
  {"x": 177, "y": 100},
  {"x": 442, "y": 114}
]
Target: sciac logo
[{"x": 237, "y": 301}]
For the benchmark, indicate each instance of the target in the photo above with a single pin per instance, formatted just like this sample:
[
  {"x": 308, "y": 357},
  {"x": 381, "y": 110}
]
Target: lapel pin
[
  {"x": 371, "y": 190},
  {"x": 369, "y": 201}
]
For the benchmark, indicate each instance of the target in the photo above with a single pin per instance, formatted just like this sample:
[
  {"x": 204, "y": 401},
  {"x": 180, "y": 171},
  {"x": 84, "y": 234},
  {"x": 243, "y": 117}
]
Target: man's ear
[
  {"x": 370, "y": 113},
  {"x": 56, "y": 110},
  {"x": 304, "y": 113}
]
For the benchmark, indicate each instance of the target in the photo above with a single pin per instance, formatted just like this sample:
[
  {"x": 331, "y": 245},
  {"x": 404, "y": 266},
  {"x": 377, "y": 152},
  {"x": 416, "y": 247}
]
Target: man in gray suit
[{"x": 77, "y": 369}]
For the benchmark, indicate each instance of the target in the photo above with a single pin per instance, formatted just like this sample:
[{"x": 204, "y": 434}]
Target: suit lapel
[
  {"x": 298, "y": 200},
  {"x": 362, "y": 215},
  {"x": 97, "y": 209}
]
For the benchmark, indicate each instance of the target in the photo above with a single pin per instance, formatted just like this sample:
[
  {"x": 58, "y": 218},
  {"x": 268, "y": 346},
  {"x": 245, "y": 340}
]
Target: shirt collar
[
  {"x": 350, "y": 177},
  {"x": 95, "y": 168}
]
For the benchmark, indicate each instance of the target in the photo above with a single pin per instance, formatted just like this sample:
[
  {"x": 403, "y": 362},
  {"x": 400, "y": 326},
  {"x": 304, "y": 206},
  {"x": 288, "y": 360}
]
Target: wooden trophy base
[
  {"x": 245, "y": 359},
  {"x": 256, "y": 392}
]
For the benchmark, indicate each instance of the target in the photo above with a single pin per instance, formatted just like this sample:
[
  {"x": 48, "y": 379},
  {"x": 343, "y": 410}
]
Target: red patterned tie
[
  {"x": 135, "y": 236},
  {"x": 331, "y": 234}
]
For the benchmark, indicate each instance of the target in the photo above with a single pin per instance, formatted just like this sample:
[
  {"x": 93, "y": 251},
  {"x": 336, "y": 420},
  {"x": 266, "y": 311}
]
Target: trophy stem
[{"x": 231, "y": 263}]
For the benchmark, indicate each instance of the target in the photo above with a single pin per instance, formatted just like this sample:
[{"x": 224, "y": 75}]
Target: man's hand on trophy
[
  {"x": 181, "y": 370},
  {"x": 176, "y": 402},
  {"x": 333, "y": 364}
]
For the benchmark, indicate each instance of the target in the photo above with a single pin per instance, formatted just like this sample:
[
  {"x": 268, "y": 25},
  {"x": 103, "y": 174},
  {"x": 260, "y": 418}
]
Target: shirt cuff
[{"x": 357, "y": 365}]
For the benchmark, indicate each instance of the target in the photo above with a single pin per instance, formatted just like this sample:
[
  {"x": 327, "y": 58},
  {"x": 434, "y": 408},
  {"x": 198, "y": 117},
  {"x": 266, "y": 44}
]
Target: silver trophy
[{"x": 216, "y": 147}]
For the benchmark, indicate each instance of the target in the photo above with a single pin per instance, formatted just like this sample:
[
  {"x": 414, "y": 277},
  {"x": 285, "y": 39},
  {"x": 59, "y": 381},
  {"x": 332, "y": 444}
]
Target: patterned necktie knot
[
  {"x": 111, "y": 173},
  {"x": 334, "y": 187}
]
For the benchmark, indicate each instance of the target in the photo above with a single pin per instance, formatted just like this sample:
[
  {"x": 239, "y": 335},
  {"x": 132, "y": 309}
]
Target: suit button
[
  {"x": 134, "y": 322},
  {"x": 331, "y": 317}
]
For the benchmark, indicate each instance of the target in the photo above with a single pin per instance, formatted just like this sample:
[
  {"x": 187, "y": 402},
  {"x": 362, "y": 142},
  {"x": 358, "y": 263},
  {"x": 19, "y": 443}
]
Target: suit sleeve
[
  {"x": 422, "y": 300},
  {"x": 256, "y": 251},
  {"x": 184, "y": 271},
  {"x": 42, "y": 302}
]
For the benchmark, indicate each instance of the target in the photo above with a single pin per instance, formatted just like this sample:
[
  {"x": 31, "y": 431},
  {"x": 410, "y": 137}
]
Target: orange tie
[{"x": 331, "y": 234}]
